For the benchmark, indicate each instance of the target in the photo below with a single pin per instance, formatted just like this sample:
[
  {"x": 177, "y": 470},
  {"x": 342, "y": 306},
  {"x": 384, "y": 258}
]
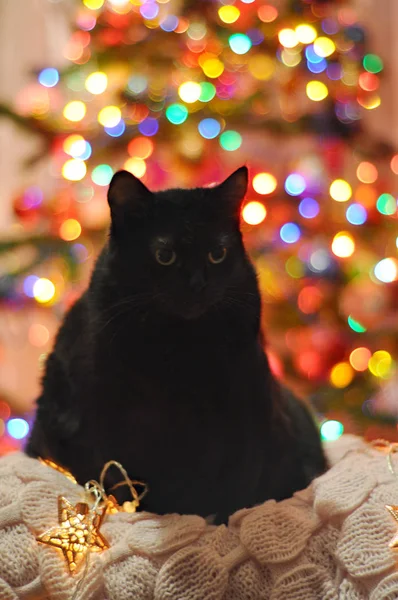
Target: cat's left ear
[
  {"x": 233, "y": 189},
  {"x": 127, "y": 197}
]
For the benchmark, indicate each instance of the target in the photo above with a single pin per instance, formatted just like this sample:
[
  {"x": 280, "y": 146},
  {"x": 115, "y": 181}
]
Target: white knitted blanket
[{"x": 330, "y": 541}]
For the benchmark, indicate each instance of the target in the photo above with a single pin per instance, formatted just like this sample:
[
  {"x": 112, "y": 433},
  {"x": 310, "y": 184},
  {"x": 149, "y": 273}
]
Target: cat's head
[{"x": 182, "y": 249}]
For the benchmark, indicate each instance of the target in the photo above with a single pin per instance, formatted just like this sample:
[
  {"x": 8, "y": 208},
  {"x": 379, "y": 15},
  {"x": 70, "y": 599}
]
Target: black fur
[{"x": 162, "y": 367}]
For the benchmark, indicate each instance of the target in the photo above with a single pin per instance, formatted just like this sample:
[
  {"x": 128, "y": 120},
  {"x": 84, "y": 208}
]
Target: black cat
[{"x": 160, "y": 365}]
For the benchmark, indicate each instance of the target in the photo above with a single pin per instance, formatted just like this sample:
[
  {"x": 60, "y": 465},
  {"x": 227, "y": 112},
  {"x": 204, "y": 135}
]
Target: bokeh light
[
  {"x": 109, "y": 116},
  {"x": 355, "y": 325},
  {"x": 340, "y": 190},
  {"x": 97, "y": 82},
  {"x": 48, "y": 77},
  {"x": 367, "y": 172},
  {"x": 43, "y": 290},
  {"x": 177, "y": 113},
  {"x": 381, "y": 364},
  {"x": 93, "y": 4},
  {"x": 254, "y": 213},
  {"x": 359, "y": 358},
  {"x": 356, "y": 214},
  {"x": 190, "y": 91},
  {"x": 309, "y": 208},
  {"x": 264, "y": 183},
  {"x": 102, "y": 174},
  {"x": 209, "y": 128},
  {"x": 331, "y": 430},
  {"x": 208, "y": 91},
  {"x": 75, "y": 111},
  {"x": 136, "y": 166},
  {"x": 290, "y": 233},
  {"x": 324, "y": 47},
  {"x": 288, "y": 38},
  {"x": 240, "y": 43},
  {"x": 74, "y": 169},
  {"x": 386, "y": 270},
  {"x": 38, "y": 335},
  {"x": 306, "y": 33},
  {"x": 295, "y": 184},
  {"x": 316, "y": 91},
  {"x": 229, "y": 13},
  {"x": 343, "y": 244},
  {"x": 230, "y": 140},
  {"x": 386, "y": 204},
  {"x": 17, "y": 428},
  {"x": 372, "y": 63},
  {"x": 70, "y": 230},
  {"x": 341, "y": 375}
]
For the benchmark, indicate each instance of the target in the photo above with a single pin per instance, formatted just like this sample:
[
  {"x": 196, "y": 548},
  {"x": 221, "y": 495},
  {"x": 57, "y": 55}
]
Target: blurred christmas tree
[{"x": 181, "y": 93}]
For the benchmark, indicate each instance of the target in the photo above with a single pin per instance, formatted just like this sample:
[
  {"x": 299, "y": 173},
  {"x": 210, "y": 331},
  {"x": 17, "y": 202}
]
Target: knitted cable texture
[{"x": 328, "y": 542}]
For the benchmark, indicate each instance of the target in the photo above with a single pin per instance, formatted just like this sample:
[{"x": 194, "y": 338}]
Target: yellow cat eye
[
  {"x": 165, "y": 256},
  {"x": 217, "y": 256}
]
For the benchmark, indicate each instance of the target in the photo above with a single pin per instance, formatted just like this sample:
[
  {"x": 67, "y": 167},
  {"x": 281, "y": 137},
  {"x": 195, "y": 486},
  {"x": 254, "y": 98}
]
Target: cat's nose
[{"x": 197, "y": 282}]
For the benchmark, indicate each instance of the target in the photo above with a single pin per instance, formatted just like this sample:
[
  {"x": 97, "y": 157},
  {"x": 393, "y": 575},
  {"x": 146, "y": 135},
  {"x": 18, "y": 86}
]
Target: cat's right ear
[{"x": 128, "y": 197}]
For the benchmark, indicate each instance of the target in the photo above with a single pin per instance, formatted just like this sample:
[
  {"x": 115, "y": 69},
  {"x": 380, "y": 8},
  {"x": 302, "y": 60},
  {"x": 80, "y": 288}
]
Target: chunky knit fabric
[{"x": 328, "y": 542}]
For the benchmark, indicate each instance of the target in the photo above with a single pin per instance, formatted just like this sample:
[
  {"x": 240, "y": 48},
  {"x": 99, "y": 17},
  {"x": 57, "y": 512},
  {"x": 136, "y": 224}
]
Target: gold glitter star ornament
[
  {"x": 393, "y": 510},
  {"x": 77, "y": 533}
]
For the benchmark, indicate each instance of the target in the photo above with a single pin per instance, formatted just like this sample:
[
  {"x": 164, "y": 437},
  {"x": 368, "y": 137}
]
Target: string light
[
  {"x": 331, "y": 430},
  {"x": 109, "y": 116},
  {"x": 341, "y": 375},
  {"x": 190, "y": 91},
  {"x": 264, "y": 183},
  {"x": 74, "y": 169},
  {"x": 43, "y": 290},
  {"x": 229, "y": 13},
  {"x": 70, "y": 230},
  {"x": 254, "y": 213},
  {"x": 316, "y": 91},
  {"x": 340, "y": 190},
  {"x": 96, "y": 83},
  {"x": 75, "y": 111},
  {"x": 386, "y": 270}
]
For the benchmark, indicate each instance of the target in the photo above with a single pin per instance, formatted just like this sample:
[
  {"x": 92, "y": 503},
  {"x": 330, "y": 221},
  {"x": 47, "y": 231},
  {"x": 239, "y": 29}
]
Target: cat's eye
[
  {"x": 165, "y": 256},
  {"x": 217, "y": 256}
]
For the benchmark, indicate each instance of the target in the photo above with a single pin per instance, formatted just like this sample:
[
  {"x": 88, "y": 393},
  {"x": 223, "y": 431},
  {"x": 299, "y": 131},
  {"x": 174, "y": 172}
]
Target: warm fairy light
[
  {"x": 264, "y": 183},
  {"x": 394, "y": 164},
  {"x": 288, "y": 38},
  {"x": 70, "y": 230},
  {"x": 136, "y": 166},
  {"x": 74, "y": 169},
  {"x": 316, "y": 91},
  {"x": 359, "y": 358},
  {"x": 254, "y": 213},
  {"x": 369, "y": 102},
  {"x": 75, "y": 111},
  {"x": 290, "y": 59},
  {"x": 331, "y": 430},
  {"x": 368, "y": 82},
  {"x": 212, "y": 67},
  {"x": 343, "y": 245},
  {"x": 387, "y": 270},
  {"x": 261, "y": 66},
  {"x": 93, "y": 4},
  {"x": 43, "y": 290},
  {"x": 340, "y": 190},
  {"x": 109, "y": 116},
  {"x": 267, "y": 13},
  {"x": 229, "y": 14},
  {"x": 341, "y": 375},
  {"x": 140, "y": 147},
  {"x": 74, "y": 145},
  {"x": 189, "y": 91},
  {"x": 324, "y": 47},
  {"x": 306, "y": 33},
  {"x": 96, "y": 83},
  {"x": 380, "y": 364},
  {"x": 366, "y": 172}
]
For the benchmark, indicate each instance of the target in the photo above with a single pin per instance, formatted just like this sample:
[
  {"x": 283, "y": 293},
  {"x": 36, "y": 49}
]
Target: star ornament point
[
  {"x": 393, "y": 510},
  {"x": 77, "y": 532}
]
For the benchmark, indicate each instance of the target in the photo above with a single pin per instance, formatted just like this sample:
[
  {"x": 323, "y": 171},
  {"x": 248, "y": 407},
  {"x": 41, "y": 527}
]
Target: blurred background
[{"x": 181, "y": 93}]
